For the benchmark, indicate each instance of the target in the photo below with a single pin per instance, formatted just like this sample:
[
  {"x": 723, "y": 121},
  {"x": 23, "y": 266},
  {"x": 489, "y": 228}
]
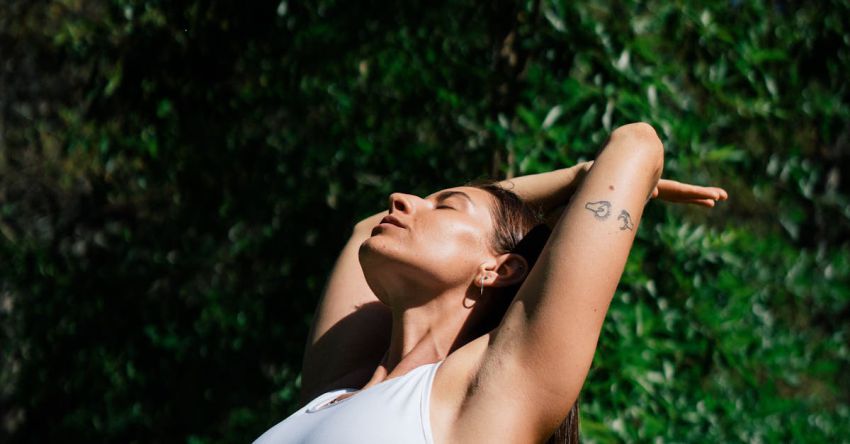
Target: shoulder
[{"x": 468, "y": 402}]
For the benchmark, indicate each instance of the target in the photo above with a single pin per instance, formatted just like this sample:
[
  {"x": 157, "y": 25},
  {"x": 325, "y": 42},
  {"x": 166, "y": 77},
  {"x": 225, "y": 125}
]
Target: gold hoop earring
[{"x": 482, "y": 285}]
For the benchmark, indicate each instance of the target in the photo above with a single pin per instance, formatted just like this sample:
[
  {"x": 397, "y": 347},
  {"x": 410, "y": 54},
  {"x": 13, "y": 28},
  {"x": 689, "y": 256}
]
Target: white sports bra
[{"x": 393, "y": 411}]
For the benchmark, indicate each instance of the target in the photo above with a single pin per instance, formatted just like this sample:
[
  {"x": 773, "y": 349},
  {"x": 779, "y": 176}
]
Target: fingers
[
  {"x": 708, "y": 203},
  {"x": 681, "y": 191},
  {"x": 675, "y": 191},
  {"x": 714, "y": 193}
]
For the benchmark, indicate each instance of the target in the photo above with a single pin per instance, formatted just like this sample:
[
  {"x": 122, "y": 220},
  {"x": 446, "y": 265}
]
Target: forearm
[{"x": 550, "y": 190}]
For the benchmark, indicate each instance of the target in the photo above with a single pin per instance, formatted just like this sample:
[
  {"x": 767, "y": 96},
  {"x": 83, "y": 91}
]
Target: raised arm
[
  {"x": 536, "y": 362},
  {"x": 351, "y": 328}
]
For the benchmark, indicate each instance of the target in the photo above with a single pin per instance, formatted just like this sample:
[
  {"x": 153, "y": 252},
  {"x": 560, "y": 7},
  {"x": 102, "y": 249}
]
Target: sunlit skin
[
  {"x": 429, "y": 271},
  {"x": 445, "y": 241},
  {"x": 515, "y": 383}
]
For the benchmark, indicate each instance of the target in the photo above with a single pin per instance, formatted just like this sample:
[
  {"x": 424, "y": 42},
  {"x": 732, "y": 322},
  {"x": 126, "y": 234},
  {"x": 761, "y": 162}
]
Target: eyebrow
[{"x": 443, "y": 195}]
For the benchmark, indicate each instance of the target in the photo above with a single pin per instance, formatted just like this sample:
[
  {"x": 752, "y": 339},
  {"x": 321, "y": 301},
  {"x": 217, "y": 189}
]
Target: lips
[{"x": 393, "y": 221}]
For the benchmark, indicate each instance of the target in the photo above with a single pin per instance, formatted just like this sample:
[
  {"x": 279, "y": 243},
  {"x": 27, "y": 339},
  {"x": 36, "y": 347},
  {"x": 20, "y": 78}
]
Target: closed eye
[{"x": 444, "y": 196}]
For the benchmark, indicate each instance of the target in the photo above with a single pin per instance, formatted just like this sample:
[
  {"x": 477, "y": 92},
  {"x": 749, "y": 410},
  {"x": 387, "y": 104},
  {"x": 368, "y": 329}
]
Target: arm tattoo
[
  {"x": 601, "y": 210},
  {"x": 627, "y": 220}
]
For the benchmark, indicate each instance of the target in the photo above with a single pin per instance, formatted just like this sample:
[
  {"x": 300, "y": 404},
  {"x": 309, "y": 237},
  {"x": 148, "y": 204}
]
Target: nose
[{"x": 401, "y": 202}]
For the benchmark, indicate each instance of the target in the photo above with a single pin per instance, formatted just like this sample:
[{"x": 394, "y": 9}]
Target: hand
[{"x": 678, "y": 192}]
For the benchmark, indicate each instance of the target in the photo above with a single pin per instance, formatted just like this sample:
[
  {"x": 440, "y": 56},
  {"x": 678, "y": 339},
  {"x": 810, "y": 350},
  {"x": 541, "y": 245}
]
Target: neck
[{"x": 425, "y": 333}]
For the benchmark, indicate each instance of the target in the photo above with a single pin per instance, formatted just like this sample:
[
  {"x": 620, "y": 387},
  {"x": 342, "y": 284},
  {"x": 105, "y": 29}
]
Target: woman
[{"x": 420, "y": 283}]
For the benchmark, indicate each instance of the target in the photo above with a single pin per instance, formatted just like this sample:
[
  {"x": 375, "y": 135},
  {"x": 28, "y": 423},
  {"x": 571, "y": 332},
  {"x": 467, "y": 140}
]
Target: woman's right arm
[{"x": 351, "y": 328}]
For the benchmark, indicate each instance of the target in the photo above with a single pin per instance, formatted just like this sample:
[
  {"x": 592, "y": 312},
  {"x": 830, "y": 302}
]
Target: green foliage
[{"x": 176, "y": 179}]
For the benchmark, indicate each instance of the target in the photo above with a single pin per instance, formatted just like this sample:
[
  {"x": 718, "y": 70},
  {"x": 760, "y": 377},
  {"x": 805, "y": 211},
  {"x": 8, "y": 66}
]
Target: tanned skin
[{"x": 516, "y": 383}]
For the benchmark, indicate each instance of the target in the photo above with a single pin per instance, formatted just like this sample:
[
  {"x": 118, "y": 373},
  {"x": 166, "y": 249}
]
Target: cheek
[
  {"x": 454, "y": 246},
  {"x": 448, "y": 252}
]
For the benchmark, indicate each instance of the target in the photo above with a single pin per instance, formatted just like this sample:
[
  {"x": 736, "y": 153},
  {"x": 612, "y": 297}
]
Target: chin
[
  {"x": 372, "y": 247},
  {"x": 375, "y": 262},
  {"x": 376, "y": 252}
]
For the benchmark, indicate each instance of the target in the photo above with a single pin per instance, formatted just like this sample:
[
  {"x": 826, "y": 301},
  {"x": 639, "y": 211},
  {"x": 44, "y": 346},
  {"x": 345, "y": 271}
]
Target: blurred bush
[{"x": 177, "y": 177}]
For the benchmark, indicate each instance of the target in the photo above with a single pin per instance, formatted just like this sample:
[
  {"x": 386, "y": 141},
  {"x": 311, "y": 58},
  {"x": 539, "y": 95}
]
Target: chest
[{"x": 391, "y": 412}]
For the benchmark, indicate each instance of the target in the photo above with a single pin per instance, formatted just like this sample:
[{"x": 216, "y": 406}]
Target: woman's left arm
[{"x": 544, "y": 346}]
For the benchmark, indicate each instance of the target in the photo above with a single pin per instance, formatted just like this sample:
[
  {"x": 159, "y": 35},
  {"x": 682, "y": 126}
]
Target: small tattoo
[
  {"x": 601, "y": 210},
  {"x": 627, "y": 220}
]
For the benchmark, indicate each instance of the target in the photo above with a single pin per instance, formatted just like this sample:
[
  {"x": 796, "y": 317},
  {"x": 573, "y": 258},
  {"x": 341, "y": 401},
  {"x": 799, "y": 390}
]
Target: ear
[{"x": 512, "y": 270}]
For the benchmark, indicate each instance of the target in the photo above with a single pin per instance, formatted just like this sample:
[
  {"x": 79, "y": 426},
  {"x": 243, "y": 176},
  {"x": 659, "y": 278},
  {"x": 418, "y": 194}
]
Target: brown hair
[{"x": 519, "y": 229}]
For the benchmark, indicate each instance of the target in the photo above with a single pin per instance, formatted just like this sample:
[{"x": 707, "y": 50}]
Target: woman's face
[{"x": 440, "y": 241}]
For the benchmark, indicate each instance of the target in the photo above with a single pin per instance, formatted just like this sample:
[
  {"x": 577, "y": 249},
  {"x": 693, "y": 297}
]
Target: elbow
[
  {"x": 643, "y": 143},
  {"x": 637, "y": 130}
]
